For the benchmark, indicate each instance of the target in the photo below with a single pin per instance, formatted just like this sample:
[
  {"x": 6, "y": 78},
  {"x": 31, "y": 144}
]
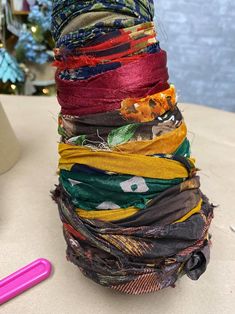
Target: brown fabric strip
[{"x": 169, "y": 206}]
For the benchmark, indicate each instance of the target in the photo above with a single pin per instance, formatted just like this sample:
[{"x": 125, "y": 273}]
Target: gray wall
[{"x": 199, "y": 37}]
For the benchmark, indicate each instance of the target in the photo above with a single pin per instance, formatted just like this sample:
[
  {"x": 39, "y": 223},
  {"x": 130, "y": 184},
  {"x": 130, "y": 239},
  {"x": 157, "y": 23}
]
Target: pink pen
[{"x": 23, "y": 279}]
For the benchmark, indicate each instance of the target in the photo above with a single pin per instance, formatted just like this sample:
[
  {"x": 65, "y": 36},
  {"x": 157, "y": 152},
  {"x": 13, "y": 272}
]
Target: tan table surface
[{"x": 30, "y": 226}]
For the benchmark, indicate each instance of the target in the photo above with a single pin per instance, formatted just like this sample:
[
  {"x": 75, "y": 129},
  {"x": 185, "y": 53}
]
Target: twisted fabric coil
[{"x": 134, "y": 217}]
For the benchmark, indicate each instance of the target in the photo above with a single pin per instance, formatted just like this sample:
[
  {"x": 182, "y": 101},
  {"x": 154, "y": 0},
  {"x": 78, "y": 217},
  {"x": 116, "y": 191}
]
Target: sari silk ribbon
[
  {"x": 176, "y": 204},
  {"x": 123, "y": 213},
  {"x": 133, "y": 215},
  {"x": 64, "y": 11},
  {"x": 151, "y": 167},
  {"x": 153, "y": 257},
  {"x": 102, "y": 125},
  {"x": 106, "y": 191},
  {"x": 164, "y": 144},
  {"x": 168, "y": 143},
  {"x": 102, "y": 93},
  {"x": 148, "y": 108},
  {"x": 127, "y": 42}
]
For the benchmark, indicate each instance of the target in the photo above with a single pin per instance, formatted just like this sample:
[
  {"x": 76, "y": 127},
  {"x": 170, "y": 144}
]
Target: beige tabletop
[{"x": 30, "y": 226}]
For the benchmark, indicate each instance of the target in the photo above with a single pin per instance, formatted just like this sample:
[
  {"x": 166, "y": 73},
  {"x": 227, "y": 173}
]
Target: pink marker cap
[{"x": 24, "y": 278}]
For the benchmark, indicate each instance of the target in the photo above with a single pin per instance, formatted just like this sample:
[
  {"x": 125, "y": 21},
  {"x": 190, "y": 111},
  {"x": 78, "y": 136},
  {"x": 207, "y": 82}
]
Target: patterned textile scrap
[
  {"x": 133, "y": 214},
  {"x": 135, "y": 12},
  {"x": 106, "y": 127},
  {"x": 129, "y": 38},
  {"x": 150, "y": 107},
  {"x": 161, "y": 141},
  {"x": 85, "y": 72},
  {"x": 100, "y": 93},
  {"x": 119, "y": 257}
]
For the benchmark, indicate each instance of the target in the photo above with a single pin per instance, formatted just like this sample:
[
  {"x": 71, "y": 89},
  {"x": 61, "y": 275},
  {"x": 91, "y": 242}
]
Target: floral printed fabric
[{"x": 98, "y": 127}]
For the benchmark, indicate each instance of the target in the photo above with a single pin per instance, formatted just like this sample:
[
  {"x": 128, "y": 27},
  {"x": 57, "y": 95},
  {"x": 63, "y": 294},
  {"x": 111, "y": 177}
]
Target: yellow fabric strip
[
  {"x": 148, "y": 108},
  {"x": 195, "y": 210},
  {"x": 133, "y": 164},
  {"x": 107, "y": 215},
  {"x": 123, "y": 213},
  {"x": 164, "y": 144}
]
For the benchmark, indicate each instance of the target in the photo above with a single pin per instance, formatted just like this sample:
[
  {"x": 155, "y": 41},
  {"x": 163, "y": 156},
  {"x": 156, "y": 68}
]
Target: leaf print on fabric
[
  {"x": 122, "y": 134},
  {"x": 61, "y": 131},
  {"x": 77, "y": 140}
]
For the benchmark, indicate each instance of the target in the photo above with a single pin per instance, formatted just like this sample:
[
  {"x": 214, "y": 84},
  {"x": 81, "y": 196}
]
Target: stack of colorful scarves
[{"x": 129, "y": 197}]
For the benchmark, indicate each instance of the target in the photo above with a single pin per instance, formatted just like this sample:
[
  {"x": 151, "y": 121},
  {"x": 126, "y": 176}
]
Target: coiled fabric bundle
[{"x": 134, "y": 217}]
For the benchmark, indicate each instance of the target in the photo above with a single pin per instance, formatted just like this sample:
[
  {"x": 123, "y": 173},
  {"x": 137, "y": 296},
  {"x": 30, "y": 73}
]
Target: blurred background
[
  {"x": 26, "y": 48},
  {"x": 199, "y": 37}
]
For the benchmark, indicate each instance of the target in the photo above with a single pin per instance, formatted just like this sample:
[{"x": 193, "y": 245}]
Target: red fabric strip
[
  {"x": 73, "y": 62},
  {"x": 90, "y": 61},
  {"x": 125, "y": 38},
  {"x": 105, "y": 92},
  {"x": 74, "y": 232}
]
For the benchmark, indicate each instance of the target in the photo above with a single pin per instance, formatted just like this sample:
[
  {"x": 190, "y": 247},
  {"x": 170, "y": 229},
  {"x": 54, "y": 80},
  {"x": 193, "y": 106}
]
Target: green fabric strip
[{"x": 104, "y": 191}]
